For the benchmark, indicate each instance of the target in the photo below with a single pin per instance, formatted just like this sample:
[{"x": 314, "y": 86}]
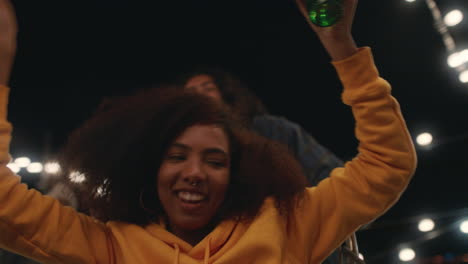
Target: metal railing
[{"x": 349, "y": 252}]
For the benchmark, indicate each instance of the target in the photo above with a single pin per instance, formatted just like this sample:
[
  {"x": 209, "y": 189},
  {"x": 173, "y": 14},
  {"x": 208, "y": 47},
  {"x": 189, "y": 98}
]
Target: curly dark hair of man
[
  {"x": 120, "y": 149},
  {"x": 235, "y": 93}
]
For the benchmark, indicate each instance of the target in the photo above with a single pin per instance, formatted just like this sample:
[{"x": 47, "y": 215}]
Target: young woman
[{"x": 180, "y": 181}]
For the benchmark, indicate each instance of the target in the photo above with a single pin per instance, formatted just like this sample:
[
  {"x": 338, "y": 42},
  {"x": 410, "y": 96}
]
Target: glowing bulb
[
  {"x": 14, "y": 167},
  {"x": 35, "y": 167},
  {"x": 426, "y": 225},
  {"x": 22, "y": 162},
  {"x": 361, "y": 256},
  {"x": 77, "y": 177},
  {"x": 457, "y": 58},
  {"x": 464, "y": 227},
  {"x": 99, "y": 191},
  {"x": 464, "y": 76},
  {"x": 410, "y": 1},
  {"x": 454, "y": 60},
  {"x": 424, "y": 139},
  {"x": 52, "y": 167},
  {"x": 407, "y": 254},
  {"x": 453, "y": 18}
]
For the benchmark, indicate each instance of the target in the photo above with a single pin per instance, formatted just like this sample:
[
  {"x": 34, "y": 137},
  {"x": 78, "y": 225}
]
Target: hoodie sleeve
[
  {"x": 373, "y": 181},
  {"x": 38, "y": 226}
]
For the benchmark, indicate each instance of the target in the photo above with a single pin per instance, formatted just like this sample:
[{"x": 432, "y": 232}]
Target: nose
[{"x": 193, "y": 172}]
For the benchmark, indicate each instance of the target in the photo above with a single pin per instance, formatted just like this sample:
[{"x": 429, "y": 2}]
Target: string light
[
  {"x": 77, "y": 177},
  {"x": 427, "y": 236},
  {"x": 426, "y": 225},
  {"x": 35, "y": 167},
  {"x": 455, "y": 59},
  {"x": 424, "y": 139},
  {"x": 464, "y": 227},
  {"x": 453, "y": 18},
  {"x": 464, "y": 76},
  {"x": 407, "y": 254},
  {"x": 52, "y": 167},
  {"x": 22, "y": 162}
]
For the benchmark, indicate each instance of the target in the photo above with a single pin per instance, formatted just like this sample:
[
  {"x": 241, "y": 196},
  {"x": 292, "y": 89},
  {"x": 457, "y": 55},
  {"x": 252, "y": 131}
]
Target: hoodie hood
[{"x": 204, "y": 250}]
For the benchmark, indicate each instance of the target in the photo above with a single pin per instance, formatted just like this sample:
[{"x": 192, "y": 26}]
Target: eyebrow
[
  {"x": 202, "y": 84},
  {"x": 208, "y": 150},
  {"x": 208, "y": 82},
  {"x": 179, "y": 145}
]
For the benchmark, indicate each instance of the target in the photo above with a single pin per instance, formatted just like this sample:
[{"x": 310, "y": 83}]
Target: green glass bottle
[{"x": 324, "y": 13}]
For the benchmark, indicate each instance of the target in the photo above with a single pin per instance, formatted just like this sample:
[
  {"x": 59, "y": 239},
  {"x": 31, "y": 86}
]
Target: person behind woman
[
  {"x": 316, "y": 160},
  {"x": 180, "y": 181}
]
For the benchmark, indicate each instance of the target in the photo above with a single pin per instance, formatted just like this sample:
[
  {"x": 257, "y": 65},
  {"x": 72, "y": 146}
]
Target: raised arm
[
  {"x": 32, "y": 224},
  {"x": 373, "y": 181}
]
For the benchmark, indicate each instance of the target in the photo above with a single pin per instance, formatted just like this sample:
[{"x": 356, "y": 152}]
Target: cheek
[
  {"x": 226, "y": 179},
  {"x": 163, "y": 178},
  {"x": 222, "y": 184},
  {"x": 217, "y": 95}
]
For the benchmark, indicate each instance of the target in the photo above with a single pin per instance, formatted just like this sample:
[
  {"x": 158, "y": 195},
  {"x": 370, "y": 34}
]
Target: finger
[
  {"x": 8, "y": 12},
  {"x": 349, "y": 9},
  {"x": 303, "y": 9},
  {"x": 302, "y": 6},
  {"x": 6, "y": 5}
]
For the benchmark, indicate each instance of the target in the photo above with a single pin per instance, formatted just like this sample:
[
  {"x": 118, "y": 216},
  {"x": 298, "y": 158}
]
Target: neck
[{"x": 192, "y": 237}]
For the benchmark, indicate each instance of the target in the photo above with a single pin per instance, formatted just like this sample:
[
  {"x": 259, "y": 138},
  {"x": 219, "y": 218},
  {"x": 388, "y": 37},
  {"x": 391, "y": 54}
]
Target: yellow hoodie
[{"x": 41, "y": 228}]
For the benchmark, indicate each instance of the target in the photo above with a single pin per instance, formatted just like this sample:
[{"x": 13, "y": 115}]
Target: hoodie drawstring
[
  {"x": 177, "y": 253},
  {"x": 207, "y": 252}
]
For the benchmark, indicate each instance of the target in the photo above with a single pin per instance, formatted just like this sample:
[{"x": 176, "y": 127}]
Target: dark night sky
[{"x": 72, "y": 53}]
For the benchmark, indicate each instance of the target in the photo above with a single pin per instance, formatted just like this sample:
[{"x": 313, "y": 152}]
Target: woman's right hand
[{"x": 8, "y": 32}]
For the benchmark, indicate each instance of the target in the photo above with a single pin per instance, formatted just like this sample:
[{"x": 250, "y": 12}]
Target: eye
[
  {"x": 176, "y": 157},
  {"x": 211, "y": 89},
  {"x": 217, "y": 163}
]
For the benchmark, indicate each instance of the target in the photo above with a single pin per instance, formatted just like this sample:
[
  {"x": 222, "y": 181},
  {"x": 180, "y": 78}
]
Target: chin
[{"x": 192, "y": 225}]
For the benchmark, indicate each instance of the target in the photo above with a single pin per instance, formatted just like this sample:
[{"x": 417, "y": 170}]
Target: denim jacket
[{"x": 316, "y": 160}]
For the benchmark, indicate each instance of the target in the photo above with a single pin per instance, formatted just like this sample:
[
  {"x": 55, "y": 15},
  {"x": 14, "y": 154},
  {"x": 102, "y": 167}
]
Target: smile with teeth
[{"x": 191, "y": 197}]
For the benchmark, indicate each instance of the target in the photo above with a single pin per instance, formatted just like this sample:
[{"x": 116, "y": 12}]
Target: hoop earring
[{"x": 142, "y": 205}]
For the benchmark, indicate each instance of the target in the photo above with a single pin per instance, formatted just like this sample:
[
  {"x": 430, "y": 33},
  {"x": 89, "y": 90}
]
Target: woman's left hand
[{"x": 337, "y": 39}]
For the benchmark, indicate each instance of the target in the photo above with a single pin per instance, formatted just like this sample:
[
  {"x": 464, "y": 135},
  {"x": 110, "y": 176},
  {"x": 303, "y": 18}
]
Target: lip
[
  {"x": 190, "y": 190},
  {"x": 191, "y": 207},
  {"x": 188, "y": 206}
]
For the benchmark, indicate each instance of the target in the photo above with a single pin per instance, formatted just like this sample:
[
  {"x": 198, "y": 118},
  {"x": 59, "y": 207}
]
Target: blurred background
[{"x": 71, "y": 54}]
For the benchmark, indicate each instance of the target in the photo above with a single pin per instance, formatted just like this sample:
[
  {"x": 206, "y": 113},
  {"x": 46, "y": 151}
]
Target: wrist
[
  {"x": 6, "y": 64},
  {"x": 339, "y": 48}
]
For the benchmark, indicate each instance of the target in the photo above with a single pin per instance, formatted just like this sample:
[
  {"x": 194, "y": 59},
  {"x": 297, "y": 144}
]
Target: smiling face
[
  {"x": 204, "y": 84},
  {"x": 193, "y": 178}
]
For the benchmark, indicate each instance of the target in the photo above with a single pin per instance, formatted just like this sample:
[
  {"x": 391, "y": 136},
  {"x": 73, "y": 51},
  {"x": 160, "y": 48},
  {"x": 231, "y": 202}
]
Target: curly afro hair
[{"x": 120, "y": 149}]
